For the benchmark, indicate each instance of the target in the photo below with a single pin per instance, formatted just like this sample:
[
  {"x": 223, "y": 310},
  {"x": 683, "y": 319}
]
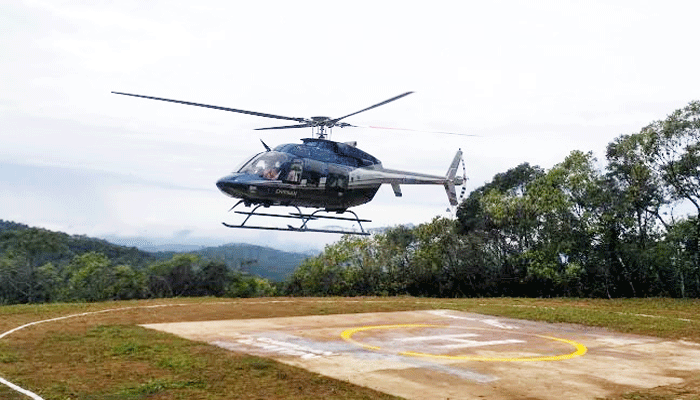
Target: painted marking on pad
[
  {"x": 347, "y": 335},
  {"x": 458, "y": 341},
  {"x": 269, "y": 345},
  {"x": 489, "y": 321}
]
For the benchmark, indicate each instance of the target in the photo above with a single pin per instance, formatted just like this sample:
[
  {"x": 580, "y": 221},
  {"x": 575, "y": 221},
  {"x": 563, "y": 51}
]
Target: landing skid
[{"x": 304, "y": 218}]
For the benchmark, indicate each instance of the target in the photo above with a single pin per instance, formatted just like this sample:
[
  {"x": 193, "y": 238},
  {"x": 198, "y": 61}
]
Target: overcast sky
[{"x": 535, "y": 80}]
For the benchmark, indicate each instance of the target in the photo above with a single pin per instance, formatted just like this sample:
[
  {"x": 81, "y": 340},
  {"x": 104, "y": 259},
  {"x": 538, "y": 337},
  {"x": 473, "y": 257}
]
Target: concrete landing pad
[{"x": 446, "y": 354}]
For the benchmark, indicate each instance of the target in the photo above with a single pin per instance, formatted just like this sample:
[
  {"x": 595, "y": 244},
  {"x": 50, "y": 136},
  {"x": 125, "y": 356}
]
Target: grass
[{"x": 108, "y": 356}]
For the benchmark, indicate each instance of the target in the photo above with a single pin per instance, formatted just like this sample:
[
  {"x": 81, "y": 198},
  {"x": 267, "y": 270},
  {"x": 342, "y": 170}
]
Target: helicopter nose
[{"x": 230, "y": 185}]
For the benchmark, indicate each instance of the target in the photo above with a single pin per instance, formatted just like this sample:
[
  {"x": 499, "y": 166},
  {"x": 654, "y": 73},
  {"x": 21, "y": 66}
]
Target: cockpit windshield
[{"x": 268, "y": 165}]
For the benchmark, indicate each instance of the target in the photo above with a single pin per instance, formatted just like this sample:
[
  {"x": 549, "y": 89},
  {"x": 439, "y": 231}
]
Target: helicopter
[{"x": 319, "y": 173}]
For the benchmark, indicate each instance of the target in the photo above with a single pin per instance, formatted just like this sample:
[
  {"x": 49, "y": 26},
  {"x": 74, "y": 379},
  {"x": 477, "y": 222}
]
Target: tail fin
[{"x": 451, "y": 179}]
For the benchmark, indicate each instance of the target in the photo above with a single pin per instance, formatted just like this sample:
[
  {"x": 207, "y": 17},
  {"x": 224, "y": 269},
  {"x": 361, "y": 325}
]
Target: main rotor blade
[
  {"x": 259, "y": 114},
  {"x": 418, "y": 130},
  {"x": 371, "y": 107},
  {"x": 284, "y": 127}
]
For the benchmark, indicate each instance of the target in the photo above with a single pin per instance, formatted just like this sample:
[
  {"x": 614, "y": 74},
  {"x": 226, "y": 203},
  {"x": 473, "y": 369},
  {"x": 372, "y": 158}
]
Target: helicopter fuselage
[
  {"x": 323, "y": 174},
  {"x": 318, "y": 173}
]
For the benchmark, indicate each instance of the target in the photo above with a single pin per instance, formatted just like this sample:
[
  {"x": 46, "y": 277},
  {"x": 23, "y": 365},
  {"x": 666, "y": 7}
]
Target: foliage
[
  {"x": 270, "y": 263},
  {"x": 34, "y": 268},
  {"x": 570, "y": 231}
]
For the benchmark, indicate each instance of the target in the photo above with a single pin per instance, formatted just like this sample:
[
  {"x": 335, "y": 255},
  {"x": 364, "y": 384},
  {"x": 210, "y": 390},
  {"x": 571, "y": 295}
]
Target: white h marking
[{"x": 458, "y": 341}]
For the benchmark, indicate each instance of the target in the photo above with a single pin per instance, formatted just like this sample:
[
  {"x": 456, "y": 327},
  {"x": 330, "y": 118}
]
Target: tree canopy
[
  {"x": 37, "y": 265},
  {"x": 572, "y": 230}
]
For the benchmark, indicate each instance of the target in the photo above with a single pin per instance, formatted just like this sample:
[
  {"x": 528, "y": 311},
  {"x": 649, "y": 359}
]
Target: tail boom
[{"x": 373, "y": 177}]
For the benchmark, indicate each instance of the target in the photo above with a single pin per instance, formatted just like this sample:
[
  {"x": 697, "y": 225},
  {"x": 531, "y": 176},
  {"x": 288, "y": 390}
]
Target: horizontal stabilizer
[{"x": 397, "y": 189}]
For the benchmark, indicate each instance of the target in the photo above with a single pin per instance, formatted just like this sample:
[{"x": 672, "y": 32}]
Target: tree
[
  {"x": 648, "y": 172},
  {"x": 672, "y": 147},
  {"x": 212, "y": 279},
  {"x": 127, "y": 283},
  {"x": 435, "y": 265},
  {"x": 393, "y": 256},
  {"x": 50, "y": 283},
  {"x": 633, "y": 220},
  {"x": 677, "y": 251},
  {"x": 502, "y": 219},
  {"x": 638, "y": 182},
  {"x": 11, "y": 285},
  {"x": 90, "y": 277},
  {"x": 512, "y": 183},
  {"x": 175, "y": 277},
  {"x": 242, "y": 285},
  {"x": 30, "y": 248}
]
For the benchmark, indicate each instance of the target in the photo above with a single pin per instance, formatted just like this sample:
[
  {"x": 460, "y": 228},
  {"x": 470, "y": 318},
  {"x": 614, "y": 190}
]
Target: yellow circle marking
[{"x": 580, "y": 349}]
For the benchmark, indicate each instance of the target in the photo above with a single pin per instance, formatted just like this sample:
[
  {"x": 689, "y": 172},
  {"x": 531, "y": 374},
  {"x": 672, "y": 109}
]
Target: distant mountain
[
  {"x": 383, "y": 229},
  {"x": 262, "y": 261},
  {"x": 266, "y": 262},
  {"x": 148, "y": 245},
  {"x": 72, "y": 245}
]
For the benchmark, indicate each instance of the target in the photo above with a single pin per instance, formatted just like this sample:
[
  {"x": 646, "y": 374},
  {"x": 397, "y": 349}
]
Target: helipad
[{"x": 445, "y": 354}]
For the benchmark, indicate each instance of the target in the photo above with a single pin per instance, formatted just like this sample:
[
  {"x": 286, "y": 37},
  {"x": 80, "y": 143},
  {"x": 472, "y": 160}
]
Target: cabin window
[
  {"x": 295, "y": 172},
  {"x": 246, "y": 163},
  {"x": 269, "y": 165},
  {"x": 337, "y": 179},
  {"x": 313, "y": 172},
  {"x": 337, "y": 182}
]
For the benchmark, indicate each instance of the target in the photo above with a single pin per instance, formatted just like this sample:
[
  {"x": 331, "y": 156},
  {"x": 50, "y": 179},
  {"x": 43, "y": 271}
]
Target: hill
[
  {"x": 61, "y": 248},
  {"x": 262, "y": 261},
  {"x": 266, "y": 262}
]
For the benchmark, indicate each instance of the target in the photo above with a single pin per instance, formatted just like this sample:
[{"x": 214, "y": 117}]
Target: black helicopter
[{"x": 319, "y": 173}]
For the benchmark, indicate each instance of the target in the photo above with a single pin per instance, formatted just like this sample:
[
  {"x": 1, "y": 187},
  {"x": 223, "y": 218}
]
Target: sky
[{"x": 533, "y": 80}]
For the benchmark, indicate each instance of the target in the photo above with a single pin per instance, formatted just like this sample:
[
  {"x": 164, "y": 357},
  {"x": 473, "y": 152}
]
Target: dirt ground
[{"x": 446, "y": 354}]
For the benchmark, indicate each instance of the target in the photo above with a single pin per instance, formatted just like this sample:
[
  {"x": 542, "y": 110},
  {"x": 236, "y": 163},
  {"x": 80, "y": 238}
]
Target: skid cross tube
[
  {"x": 307, "y": 218},
  {"x": 304, "y": 218}
]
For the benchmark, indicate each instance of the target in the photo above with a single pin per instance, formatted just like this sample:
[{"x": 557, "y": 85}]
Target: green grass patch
[
  {"x": 7, "y": 354},
  {"x": 155, "y": 387}
]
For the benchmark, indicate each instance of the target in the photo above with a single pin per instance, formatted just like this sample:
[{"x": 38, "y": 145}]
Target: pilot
[{"x": 271, "y": 173}]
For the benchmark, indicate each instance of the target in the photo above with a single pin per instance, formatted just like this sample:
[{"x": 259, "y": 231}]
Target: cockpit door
[{"x": 296, "y": 168}]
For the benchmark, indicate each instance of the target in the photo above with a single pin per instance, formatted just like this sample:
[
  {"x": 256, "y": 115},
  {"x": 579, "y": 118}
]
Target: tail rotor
[
  {"x": 464, "y": 181},
  {"x": 452, "y": 180}
]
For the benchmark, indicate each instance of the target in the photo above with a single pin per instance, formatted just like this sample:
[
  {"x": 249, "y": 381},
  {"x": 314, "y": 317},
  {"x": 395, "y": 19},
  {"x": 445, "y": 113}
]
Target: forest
[
  {"x": 573, "y": 230},
  {"x": 629, "y": 229},
  {"x": 38, "y": 265}
]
